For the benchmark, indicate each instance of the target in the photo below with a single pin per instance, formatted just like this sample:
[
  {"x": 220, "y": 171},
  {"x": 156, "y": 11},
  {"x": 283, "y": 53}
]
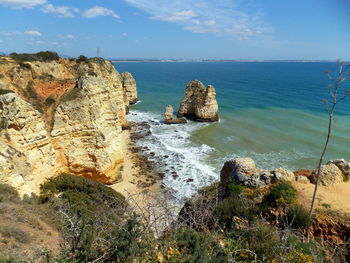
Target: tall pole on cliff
[{"x": 98, "y": 52}]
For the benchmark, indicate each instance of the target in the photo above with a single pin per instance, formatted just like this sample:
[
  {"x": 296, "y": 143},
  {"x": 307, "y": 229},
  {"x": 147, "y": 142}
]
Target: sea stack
[
  {"x": 199, "y": 102},
  {"x": 130, "y": 90},
  {"x": 169, "y": 114}
]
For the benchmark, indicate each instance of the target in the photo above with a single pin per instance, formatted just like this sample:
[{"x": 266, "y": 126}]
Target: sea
[{"x": 272, "y": 112}]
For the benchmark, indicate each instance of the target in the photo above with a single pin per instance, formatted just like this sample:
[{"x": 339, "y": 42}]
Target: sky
[{"x": 183, "y": 29}]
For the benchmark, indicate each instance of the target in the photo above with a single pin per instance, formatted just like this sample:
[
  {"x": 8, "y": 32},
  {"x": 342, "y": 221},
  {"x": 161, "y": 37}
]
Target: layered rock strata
[
  {"x": 130, "y": 90},
  {"x": 169, "y": 116},
  {"x": 199, "y": 102},
  {"x": 60, "y": 116}
]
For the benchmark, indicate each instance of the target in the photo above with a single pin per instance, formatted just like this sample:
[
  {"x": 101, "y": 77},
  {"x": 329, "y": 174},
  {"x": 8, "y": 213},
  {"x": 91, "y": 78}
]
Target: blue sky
[{"x": 191, "y": 29}]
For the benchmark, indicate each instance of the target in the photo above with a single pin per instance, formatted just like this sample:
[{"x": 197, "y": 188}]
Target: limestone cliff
[
  {"x": 199, "y": 102},
  {"x": 62, "y": 115},
  {"x": 130, "y": 91}
]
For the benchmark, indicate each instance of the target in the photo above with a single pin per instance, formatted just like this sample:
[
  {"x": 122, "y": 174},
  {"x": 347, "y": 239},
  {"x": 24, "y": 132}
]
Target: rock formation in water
[
  {"x": 130, "y": 91},
  {"x": 62, "y": 115},
  {"x": 199, "y": 102},
  {"x": 169, "y": 116}
]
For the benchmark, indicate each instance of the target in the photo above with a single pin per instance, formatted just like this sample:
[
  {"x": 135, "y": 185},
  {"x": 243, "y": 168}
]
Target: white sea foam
[{"x": 182, "y": 162}]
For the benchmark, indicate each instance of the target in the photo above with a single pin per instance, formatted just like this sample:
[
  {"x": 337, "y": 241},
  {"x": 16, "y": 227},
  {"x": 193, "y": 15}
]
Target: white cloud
[
  {"x": 99, "y": 11},
  {"x": 18, "y": 4},
  {"x": 220, "y": 17},
  {"x": 10, "y": 34},
  {"x": 61, "y": 11},
  {"x": 125, "y": 34},
  {"x": 32, "y": 33},
  {"x": 68, "y": 36},
  {"x": 1, "y": 41},
  {"x": 176, "y": 16}
]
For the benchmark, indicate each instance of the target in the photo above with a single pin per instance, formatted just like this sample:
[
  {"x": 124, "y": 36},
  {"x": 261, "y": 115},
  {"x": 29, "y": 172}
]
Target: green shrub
[
  {"x": 282, "y": 193},
  {"x": 25, "y": 65},
  {"x": 45, "y": 56},
  {"x": 298, "y": 216},
  {"x": 236, "y": 206},
  {"x": 261, "y": 239},
  {"x": 82, "y": 58},
  {"x": 234, "y": 189},
  {"x": 71, "y": 183},
  {"x": 98, "y": 213},
  {"x": 8, "y": 193},
  {"x": 187, "y": 245}
]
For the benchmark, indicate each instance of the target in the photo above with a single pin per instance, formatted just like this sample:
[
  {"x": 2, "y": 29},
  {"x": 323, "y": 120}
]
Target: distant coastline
[{"x": 114, "y": 60}]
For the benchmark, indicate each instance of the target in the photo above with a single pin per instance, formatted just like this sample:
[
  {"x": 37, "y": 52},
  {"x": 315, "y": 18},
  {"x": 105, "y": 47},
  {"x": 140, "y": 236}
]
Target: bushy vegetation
[
  {"x": 298, "y": 216},
  {"x": 185, "y": 245},
  {"x": 94, "y": 220},
  {"x": 282, "y": 193},
  {"x": 97, "y": 225},
  {"x": 8, "y": 193},
  {"x": 45, "y": 56},
  {"x": 82, "y": 59}
]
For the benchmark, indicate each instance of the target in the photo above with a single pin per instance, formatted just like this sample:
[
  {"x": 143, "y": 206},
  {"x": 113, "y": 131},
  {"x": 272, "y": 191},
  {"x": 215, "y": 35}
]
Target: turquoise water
[{"x": 271, "y": 111}]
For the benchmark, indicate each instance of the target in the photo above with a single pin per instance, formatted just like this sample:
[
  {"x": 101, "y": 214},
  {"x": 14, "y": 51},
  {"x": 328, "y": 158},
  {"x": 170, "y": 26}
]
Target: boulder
[
  {"x": 199, "y": 102},
  {"x": 243, "y": 171},
  {"x": 302, "y": 179},
  {"x": 282, "y": 174},
  {"x": 330, "y": 174},
  {"x": 344, "y": 166},
  {"x": 236, "y": 170},
  {"x": 169, "y": 114}
]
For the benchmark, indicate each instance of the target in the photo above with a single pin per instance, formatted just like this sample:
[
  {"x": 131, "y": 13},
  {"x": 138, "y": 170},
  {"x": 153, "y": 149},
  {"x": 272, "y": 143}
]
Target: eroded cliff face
[
  {"x": 60, "y": 116},
  {"x": 199, "y": 102},
  {"x": 130, "y": 91}
]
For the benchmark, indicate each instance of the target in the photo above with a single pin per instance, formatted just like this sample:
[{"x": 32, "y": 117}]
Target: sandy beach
[{"x": 139, "y": 181}]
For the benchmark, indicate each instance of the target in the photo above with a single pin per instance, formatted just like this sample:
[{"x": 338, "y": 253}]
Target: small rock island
[
  {"x": 199, "y": 102},
  {"x": 169, "y": 116}
]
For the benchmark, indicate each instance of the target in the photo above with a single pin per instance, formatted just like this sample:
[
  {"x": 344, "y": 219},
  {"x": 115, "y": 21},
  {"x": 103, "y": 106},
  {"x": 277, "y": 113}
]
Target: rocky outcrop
[
  {"x": 199, "y": 102},
  {"x": 169, "y": 116},
  {"x": 243, "y": 171},
  {"x": 130, "y": 91},
  {"x": 343, "y": 166},
  {"x": 330, "y": 174},
  {"x": 302, "y": 179},
  {"x": 60, "y": 116}
]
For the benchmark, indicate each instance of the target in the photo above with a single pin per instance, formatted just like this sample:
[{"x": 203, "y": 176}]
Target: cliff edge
[{"x": 60, "y": 115}]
